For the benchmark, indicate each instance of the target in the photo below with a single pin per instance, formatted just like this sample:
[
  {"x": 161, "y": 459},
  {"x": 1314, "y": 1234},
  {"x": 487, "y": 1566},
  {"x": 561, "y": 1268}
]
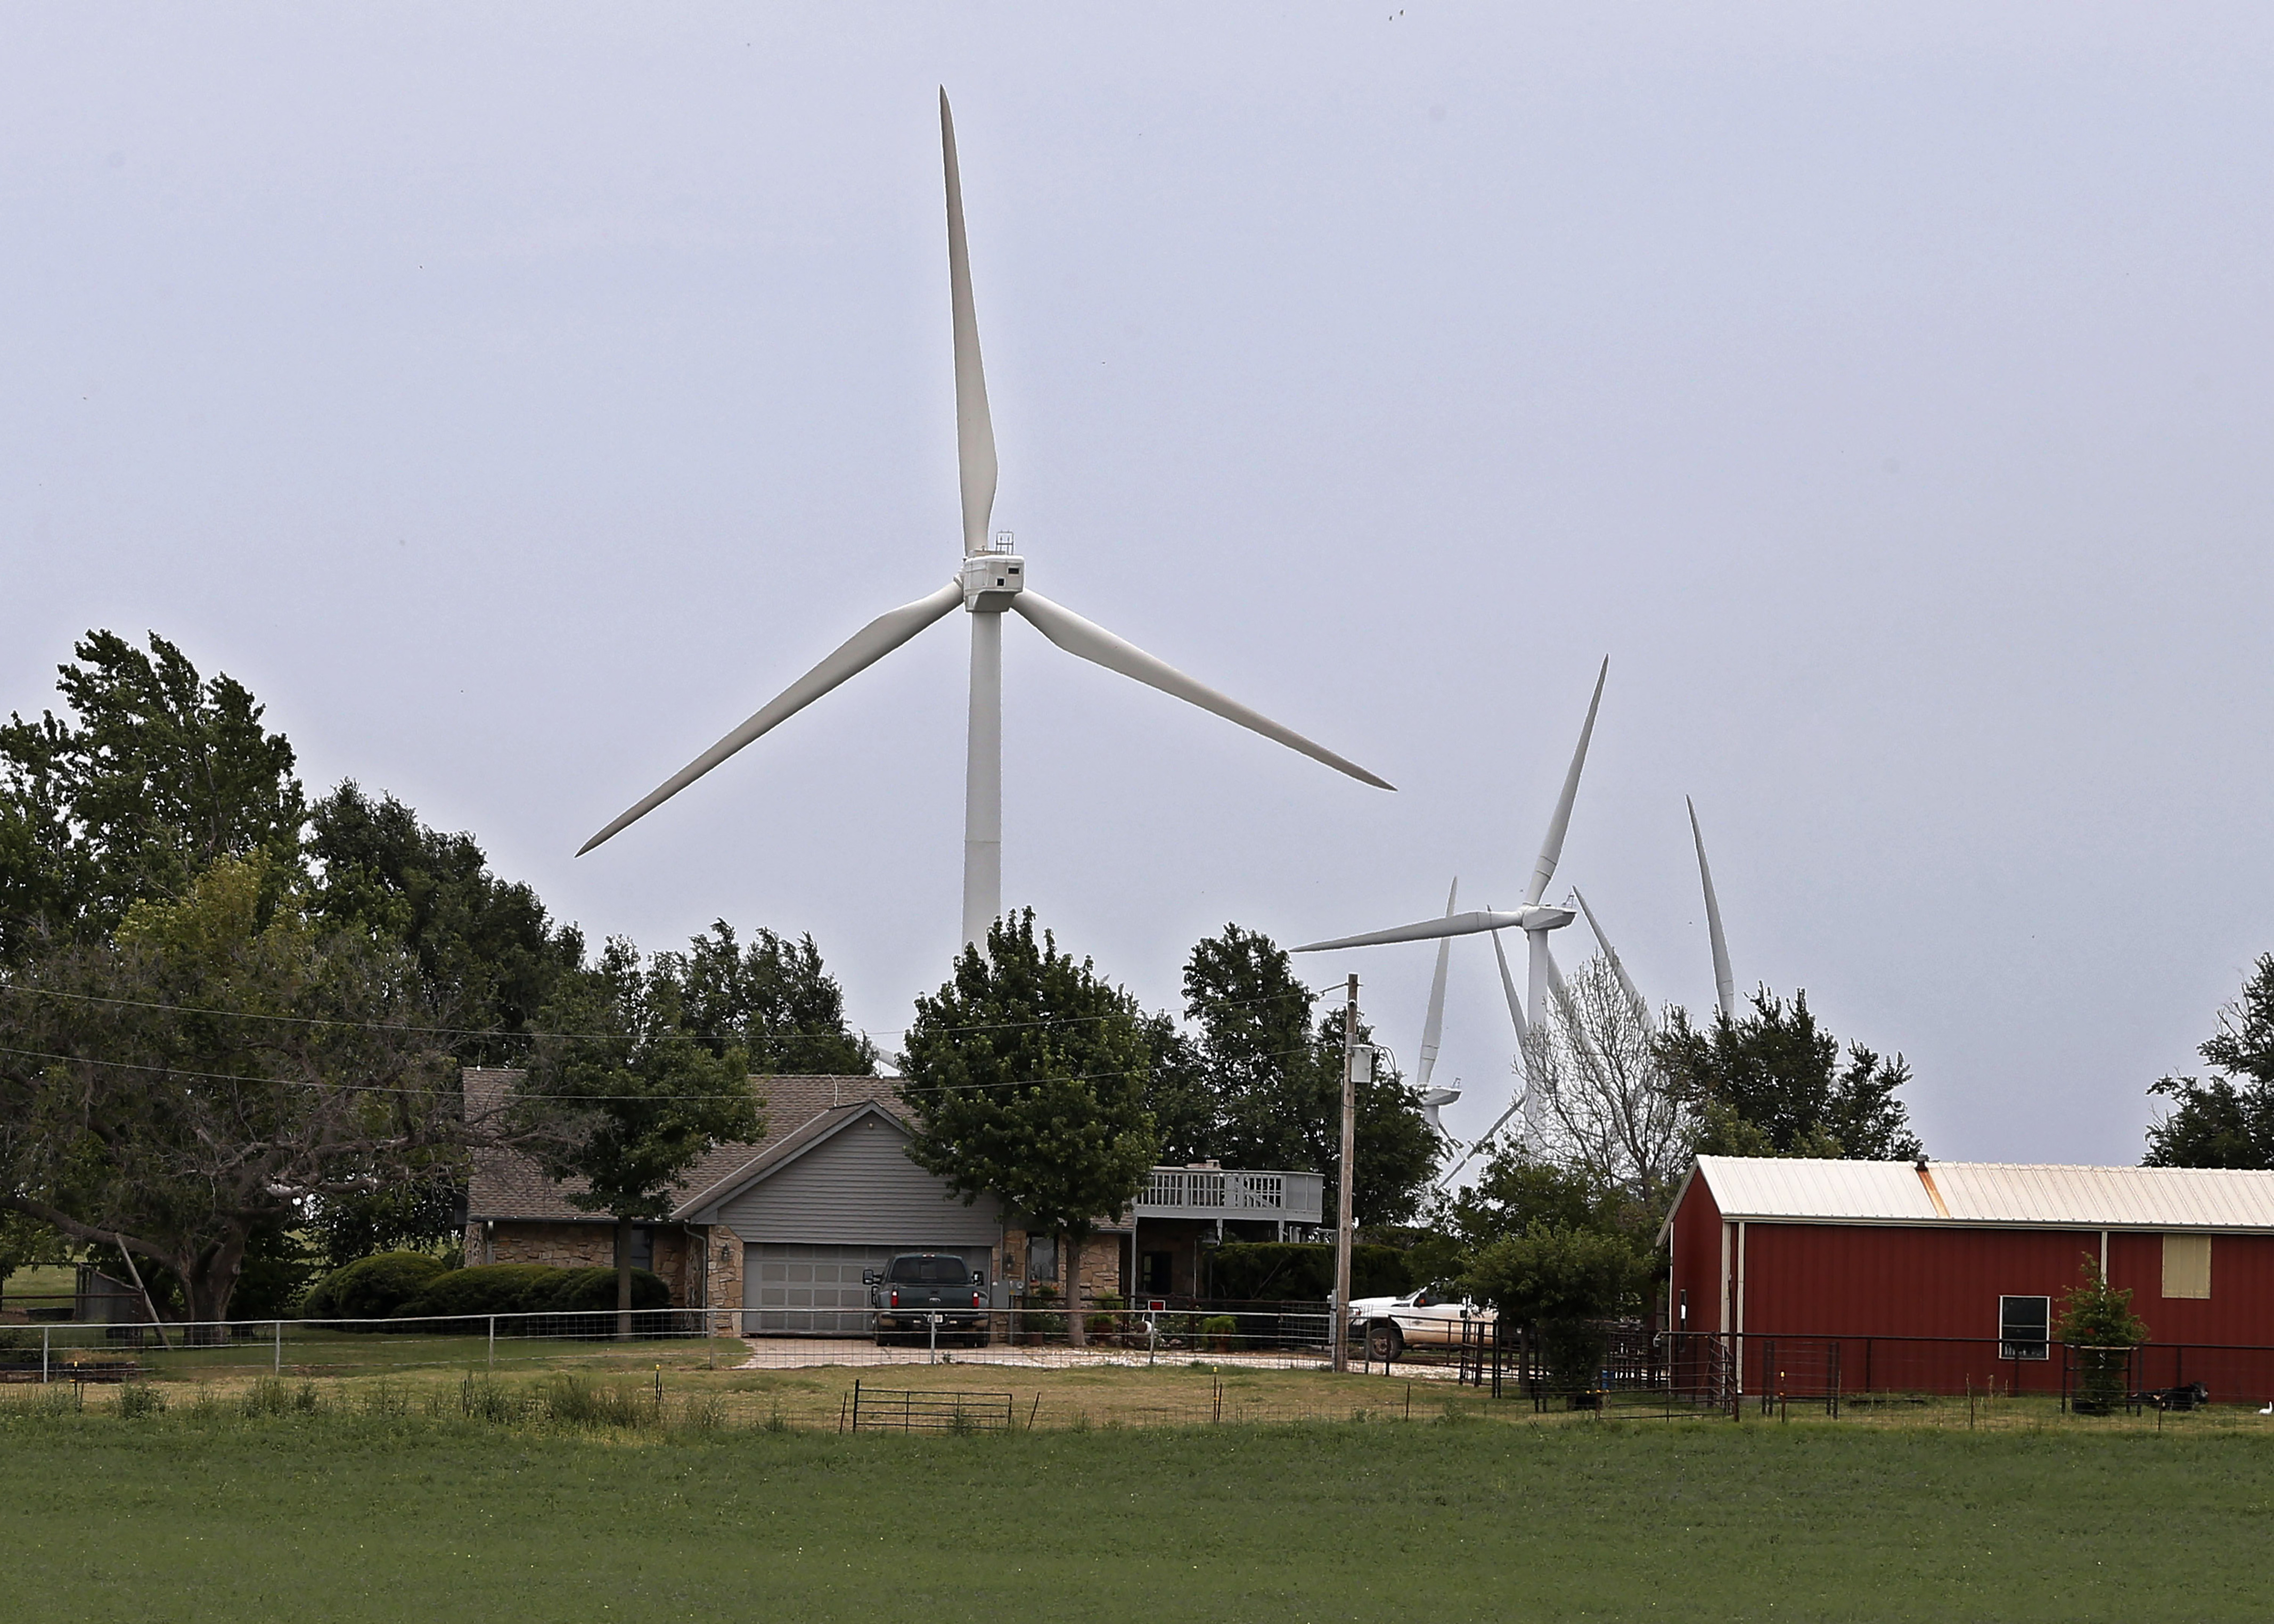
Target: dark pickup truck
[{"x": 921, "y": 1293}]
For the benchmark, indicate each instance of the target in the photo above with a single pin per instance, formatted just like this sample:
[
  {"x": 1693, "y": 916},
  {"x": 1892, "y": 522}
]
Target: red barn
[{"x": 1945, "y": 1276}]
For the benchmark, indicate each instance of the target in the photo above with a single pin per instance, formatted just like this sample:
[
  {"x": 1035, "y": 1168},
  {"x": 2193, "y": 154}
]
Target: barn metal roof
[{"x": 1990, "y": 1192}]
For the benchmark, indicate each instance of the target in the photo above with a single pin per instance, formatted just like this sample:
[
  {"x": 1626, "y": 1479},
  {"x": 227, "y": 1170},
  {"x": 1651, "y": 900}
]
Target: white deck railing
[{"x": 1206, "y": 1192}]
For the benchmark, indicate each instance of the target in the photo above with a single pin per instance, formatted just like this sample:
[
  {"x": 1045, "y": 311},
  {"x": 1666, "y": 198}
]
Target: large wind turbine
[
  {"x": 1725, "y": 984},
  {"x": 1535, "y": 918},
  {"x": 988, "y": 582}
]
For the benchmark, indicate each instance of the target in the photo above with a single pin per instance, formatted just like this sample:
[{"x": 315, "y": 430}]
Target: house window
[
  {"x": 1042, "y": 1257},
  {"x": 2187, "y": 1266},
  {"x": 643, "y": 1248},
  {"x": 1154, "y": 1270},
  {"x": 2024, "y": 1327}
]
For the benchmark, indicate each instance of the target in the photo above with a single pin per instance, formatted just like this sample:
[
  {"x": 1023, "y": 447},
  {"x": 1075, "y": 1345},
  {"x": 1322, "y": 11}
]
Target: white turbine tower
[
  {"x": 988, "y": 582},
  {"x": 1725, "y": 984},
  {"x": 1535, "y": 919}
]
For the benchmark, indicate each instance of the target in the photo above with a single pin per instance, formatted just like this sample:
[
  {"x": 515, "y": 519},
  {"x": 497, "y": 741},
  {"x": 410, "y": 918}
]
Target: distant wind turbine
[
  {"x": 1535, "y": 919},
  {"x": 990, "y": 582}
]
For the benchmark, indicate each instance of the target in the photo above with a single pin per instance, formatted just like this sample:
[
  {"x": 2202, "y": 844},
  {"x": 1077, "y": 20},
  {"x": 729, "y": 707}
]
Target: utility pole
[{"x": 1340, "y": 1329}]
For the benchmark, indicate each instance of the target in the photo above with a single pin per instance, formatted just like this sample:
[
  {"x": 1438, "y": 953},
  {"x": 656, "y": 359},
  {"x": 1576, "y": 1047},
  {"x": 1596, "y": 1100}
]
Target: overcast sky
[{"x": 515, "y": 398}]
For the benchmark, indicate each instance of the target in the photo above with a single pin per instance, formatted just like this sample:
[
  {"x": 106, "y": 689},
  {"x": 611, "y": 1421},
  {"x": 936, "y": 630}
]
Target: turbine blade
[
  {"x": 1725, "y": 984},
  {"x": 1434, "y": 1026},
  {"x": 858, "y": 652},
  {"x": 1515, "y": 1002},
  {"x": 1551, "y": 850},
  {"x": 975, "y": 428},
  {"x": 1100, "y": 647},
  {"x": 1425, "y": 930},
  {"x": 1626, "y": 982}
]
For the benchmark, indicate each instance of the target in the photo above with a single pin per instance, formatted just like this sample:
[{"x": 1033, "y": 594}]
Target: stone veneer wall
[
  {"x": 725, "y": 1263},
  {"x": 1101, "y": 1263}
]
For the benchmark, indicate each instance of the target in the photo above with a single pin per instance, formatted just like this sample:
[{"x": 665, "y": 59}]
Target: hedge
[
  {"x": 529, "y": 1288},
  {"x": 371, "y": 1288},
  {"x": 1297, "y": 1272}
]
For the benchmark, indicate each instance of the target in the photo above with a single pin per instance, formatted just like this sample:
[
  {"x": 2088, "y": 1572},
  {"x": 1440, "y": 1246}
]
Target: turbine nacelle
[{"x": 991, "y": 581}]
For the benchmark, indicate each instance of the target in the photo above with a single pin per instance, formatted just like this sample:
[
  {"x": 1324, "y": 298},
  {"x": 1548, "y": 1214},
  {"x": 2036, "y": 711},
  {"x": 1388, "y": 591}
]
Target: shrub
[
  {"x": 529, "y": 1289},
  {"x": 136, "y": 1399},
  {"x": 371, "y": 1288},
  {"x": 1220, "y": 1329}
]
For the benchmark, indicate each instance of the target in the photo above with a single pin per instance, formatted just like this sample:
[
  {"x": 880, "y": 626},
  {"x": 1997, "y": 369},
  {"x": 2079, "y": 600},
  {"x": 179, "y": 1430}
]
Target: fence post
[
  {"x": 46, "y": 1331},
  {"x": 280, "y": 1348},
  {"x": 493, "y": 1344}
]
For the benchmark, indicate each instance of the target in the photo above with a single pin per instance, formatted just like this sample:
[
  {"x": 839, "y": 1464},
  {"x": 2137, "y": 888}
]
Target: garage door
[{"x": 799, "y": 1291}]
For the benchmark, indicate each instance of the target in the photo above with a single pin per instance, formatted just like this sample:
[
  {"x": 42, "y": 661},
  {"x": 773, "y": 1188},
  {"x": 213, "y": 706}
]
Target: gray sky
[{"x": 516, "y": 398}]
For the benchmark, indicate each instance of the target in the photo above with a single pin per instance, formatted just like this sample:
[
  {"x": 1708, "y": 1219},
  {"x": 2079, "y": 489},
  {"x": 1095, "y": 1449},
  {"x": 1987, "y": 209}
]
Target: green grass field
[{"x": 353, "y": 1514}]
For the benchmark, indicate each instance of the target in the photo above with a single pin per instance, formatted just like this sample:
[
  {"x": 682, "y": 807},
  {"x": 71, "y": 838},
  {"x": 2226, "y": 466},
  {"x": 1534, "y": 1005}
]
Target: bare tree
[{"x": 1607, "y": 1109}]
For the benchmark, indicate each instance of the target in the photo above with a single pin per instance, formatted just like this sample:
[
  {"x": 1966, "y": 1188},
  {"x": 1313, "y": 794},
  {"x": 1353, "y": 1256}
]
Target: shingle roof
[
  {"x": 1990, "y": 1192},
  {"x": 509, "y": 1186}
]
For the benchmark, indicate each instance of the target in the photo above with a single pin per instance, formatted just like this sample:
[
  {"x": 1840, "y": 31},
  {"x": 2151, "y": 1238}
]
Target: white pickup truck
[{"x": 1430, "y": 1318}]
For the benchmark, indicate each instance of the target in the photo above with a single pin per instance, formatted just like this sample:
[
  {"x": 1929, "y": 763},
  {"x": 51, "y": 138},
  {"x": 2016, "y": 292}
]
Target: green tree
[
  {"x": 2097, "y": 1324},
  {"x": 1260, "y": 1083},
  {"x": 1026, "y": 1076},
  {"x": 153, "y": 775},
  {"x": 1772, "y": 1082},
  {"x": 2226, "y": 1119},
  {"x": 628, "y": 1095},
  {"x": 774, "y": 999},
  {"x": 484, "y": 945},
  {"x": 184, "y": 1092},
  {"x": 1563, "y": 1280}
]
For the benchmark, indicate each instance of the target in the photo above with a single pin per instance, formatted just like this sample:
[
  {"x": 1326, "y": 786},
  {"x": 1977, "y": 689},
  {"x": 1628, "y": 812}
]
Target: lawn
[{"x": 354, "y": 1513}]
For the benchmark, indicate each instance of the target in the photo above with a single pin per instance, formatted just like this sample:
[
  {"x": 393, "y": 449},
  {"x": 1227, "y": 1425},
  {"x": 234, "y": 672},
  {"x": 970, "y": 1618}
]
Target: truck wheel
[{"x": 1384, "y": 1341}]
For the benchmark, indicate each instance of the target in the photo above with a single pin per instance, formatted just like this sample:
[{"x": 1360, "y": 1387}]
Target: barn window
[
  {"x": 2024, "y": 1327},
  {"x": 2187, "y": 1266}
]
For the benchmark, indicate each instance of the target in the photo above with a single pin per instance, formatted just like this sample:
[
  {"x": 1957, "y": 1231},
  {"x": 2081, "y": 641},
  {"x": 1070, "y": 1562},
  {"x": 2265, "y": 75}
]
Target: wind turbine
[
  {"x": 1535, "y": 919},
  {"x": 990, "y": 582},
  {"x": 1725, "y": 985}
]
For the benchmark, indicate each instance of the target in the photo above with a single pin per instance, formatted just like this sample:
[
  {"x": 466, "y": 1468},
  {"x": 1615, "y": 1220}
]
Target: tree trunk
[
  {"x": 623, "y": 1280},
  {"x": 1070, "y": 1256}
]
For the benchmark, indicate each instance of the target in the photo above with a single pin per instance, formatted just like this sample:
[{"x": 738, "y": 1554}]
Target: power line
[
  {"x": 559, "y": 1099},
  {"x": 491, "y": 1032}
]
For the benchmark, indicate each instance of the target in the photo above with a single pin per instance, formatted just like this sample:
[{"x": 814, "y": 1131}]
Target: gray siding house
[{"x": 774, "y": 1236}]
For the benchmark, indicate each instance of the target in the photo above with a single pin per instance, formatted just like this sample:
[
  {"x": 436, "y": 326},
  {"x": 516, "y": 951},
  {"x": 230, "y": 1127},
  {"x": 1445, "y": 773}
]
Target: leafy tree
[
  {"x": 774, "y": 999},
  {"x": 1772, "y": 1082},
  {"x": 154, "y": 775},
  {"x": 2226, "y": 1119},
  {"x": 628, "y": 1095},
  {"x": 1564, "y": 1280},
  {"x": 484, "y": 946},
  {"x": 2097, "y": 1321},
  {"x": 25, "y": 1242},
  {"x": 1259, "y": 1083},
  {"x": 182, "y": 1092},
  {"x": 1026, "y": 1076}
]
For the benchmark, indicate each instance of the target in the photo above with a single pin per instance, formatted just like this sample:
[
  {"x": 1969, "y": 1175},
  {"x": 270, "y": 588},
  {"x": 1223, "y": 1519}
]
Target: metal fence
[
  {"x": 1261, "y": 1335},
  {"x": 1722, "y": 1370}
]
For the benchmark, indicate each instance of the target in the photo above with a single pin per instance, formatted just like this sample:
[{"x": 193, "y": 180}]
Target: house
[
  {"x": 775, "y": 1235},
  {"x": 1948, "y": 1276}
]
